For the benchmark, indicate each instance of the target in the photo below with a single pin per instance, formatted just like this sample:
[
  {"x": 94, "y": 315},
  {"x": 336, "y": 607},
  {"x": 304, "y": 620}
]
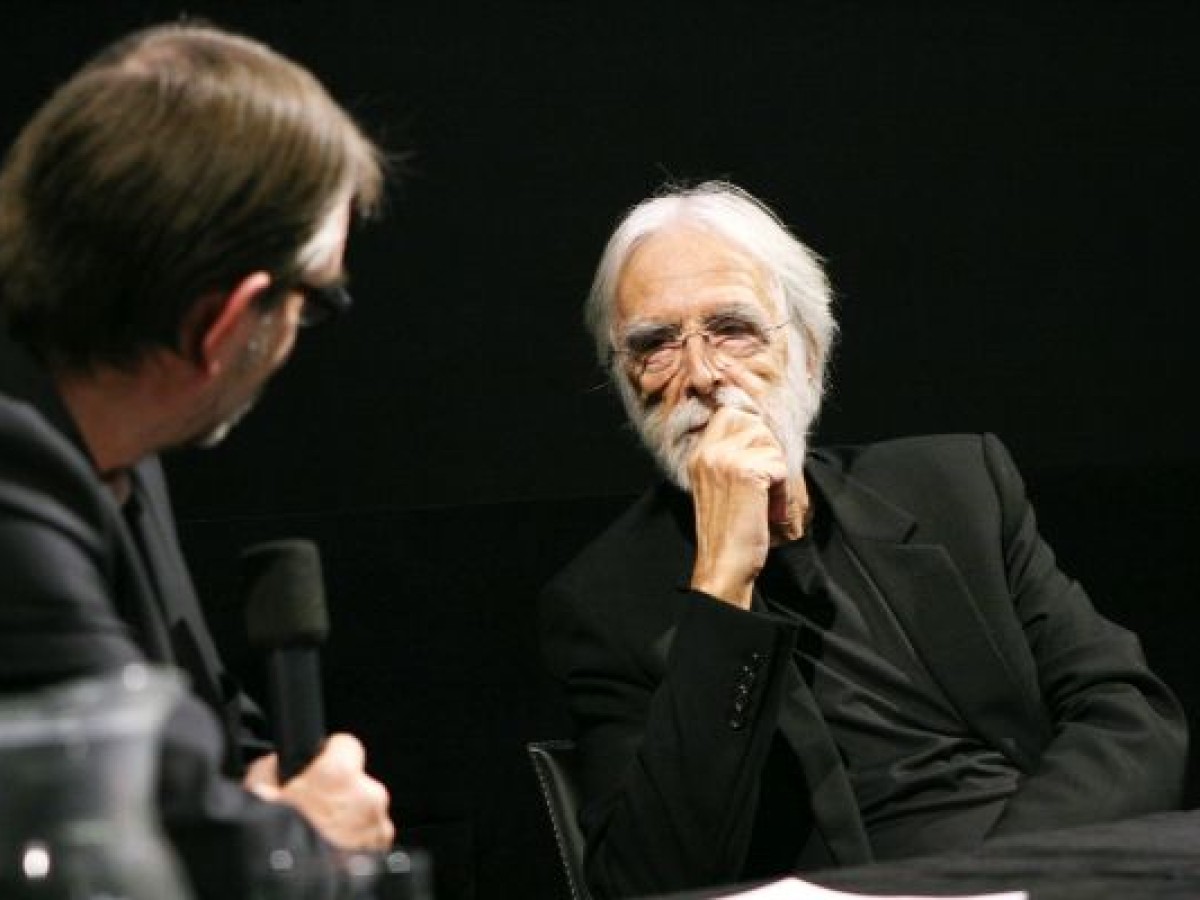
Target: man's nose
[{"x": 701, "y": 367}]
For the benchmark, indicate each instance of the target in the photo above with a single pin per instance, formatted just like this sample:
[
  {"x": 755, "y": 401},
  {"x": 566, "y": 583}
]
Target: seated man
[
  {"x": 168, "y": 220},
  {"x": 788, "y": 658}
]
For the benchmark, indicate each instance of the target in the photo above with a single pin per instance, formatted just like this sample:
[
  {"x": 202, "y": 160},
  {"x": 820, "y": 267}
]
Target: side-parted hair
[
  {"x": 178, "y": 161},
  {"x": 792, "y": 271}
]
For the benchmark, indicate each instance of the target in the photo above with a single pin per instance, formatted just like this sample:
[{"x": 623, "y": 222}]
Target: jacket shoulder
[
  {"x": 918, "y": 459},
  {"x": 643, "y": 547},
  {"x": 929, "y": 449},
  {"x": 42, "y": 474}
]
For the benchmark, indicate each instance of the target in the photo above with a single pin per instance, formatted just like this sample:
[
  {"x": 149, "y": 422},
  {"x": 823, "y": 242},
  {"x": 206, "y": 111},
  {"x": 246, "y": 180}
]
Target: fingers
[
  {"x": 262, "y": 777},
  {"x": 736, "y": 446},
  {"x": 342, "y": 753},
  {"x": 731, "y": 420},
  {"x": 778, "y": 504},
  {"x": 732, "y": 470},
  {"x": 345, "y": 804},
  {"x": 743, "y": 502}
]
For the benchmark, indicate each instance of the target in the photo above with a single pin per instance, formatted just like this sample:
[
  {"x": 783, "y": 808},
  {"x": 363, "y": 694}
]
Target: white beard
[{"x": 788, "y": 411}]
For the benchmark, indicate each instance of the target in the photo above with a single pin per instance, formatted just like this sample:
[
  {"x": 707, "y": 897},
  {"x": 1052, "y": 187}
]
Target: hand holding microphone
[
  {"x": 322, "y": 777},
  {"x": 340, "y": 800}
]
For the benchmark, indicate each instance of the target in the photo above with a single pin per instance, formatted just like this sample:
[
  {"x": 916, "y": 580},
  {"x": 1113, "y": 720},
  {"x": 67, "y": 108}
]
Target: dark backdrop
[{"x": 1007, "y": 203}]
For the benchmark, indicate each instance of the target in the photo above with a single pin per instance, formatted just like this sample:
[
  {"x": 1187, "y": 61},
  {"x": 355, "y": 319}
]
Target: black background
[
  {"x": 1006, "y": 196},
  {"x": 1007, "y": 201}
]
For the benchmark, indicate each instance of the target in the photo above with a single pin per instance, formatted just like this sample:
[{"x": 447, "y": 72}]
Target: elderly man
[
  {"x": 789, "y": 658},
  {"x": 168, "y": 220}
]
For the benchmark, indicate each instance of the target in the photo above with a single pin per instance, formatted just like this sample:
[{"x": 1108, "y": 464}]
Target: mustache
[
  {"x": 693, "y": 414},
  {"x": 787, "y": 409}
]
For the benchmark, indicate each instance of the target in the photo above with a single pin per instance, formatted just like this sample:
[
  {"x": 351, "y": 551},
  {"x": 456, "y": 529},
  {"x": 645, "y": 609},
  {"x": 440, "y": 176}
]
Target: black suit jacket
[
  {"x": 681, "y": 701},
  {"x": 88, "y": 587}
]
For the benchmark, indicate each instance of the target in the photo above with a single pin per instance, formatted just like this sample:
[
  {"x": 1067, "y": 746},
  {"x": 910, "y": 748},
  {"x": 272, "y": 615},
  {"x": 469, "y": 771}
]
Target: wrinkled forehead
[{"x": 685, "y": 274}]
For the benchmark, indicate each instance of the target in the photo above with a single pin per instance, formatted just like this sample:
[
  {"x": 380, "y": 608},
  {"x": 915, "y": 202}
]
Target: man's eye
[
  {"x": 731, "y": 327},
  {"x": 644, "y": 345},
  {"x": 727, "y": 325}
]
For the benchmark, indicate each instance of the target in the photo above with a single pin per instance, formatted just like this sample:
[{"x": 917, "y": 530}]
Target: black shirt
[{"x": 924, "y": 783}]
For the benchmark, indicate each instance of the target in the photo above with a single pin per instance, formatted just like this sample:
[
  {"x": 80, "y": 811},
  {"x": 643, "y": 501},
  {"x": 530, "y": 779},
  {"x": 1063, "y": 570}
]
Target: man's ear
[
  {"x": 220, "y": 322},
  {"x": 812, "y": 356}
]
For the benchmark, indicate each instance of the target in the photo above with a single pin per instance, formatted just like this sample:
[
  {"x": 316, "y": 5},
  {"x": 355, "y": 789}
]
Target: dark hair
[{"x": 175, "y": 163}]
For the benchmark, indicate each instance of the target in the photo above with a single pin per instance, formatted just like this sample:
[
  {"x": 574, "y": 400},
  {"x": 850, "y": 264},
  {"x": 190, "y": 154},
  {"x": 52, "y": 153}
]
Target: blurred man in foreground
[
  {"x": 788, "y": 658},
  {"x": 169, "y": 220}
]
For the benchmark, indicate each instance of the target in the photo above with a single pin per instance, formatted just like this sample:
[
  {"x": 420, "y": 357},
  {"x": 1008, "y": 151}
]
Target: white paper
[{"x": 795, "y": 889}]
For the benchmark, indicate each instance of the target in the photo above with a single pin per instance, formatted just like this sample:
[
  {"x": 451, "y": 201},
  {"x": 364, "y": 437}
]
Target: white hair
[
  {"x": 793, "y": 272},
  {"x": 796, "y": 282},
  {"x": 329, "y": 235}
]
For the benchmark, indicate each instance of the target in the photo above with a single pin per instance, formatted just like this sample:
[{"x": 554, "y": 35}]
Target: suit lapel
[
  {"x": 24, "y": 379},
  {"x": 177, "y": 607},
  {"x": 835, "y": 809},
  {"x": 925, "y": 590},
  {"x": 138, "y": 602}
]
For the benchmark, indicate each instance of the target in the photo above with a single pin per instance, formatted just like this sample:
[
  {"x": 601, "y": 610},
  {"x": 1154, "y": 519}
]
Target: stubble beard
[
  {"x": 217, "y": 433},
  {"x": 250, "y": 361}
]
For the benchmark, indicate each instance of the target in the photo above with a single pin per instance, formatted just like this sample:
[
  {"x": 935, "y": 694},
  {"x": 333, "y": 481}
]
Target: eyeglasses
[
  {"x": 658, "y": 349},
  {"x": 323, "y": 302}
]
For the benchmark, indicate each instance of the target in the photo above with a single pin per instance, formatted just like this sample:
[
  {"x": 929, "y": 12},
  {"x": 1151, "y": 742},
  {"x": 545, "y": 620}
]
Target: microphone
[{"x": 284, "y": 593}]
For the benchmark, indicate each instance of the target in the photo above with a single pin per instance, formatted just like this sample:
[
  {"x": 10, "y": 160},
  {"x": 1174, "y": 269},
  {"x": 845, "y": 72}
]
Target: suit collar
[
  {"x": 921, "y": 582},
  {"x": 25, "y": 379},
  {"x": 858, "y": 510}
]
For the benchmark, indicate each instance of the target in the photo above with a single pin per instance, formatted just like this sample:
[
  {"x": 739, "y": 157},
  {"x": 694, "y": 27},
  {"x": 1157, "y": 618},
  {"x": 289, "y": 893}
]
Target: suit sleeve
[
  {"x": 59, "y": 621},
  {"x": 1118, "y": 746},
  {"x": 671, "y": 759}
]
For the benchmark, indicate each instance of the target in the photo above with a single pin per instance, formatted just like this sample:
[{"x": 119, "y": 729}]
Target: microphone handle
[{"x": 297, "y": 711}]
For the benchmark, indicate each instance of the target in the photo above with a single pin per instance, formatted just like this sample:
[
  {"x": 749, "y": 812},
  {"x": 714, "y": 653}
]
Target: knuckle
[
  {"x": 346, "y": 743},
  {"x": 379, "y": 794}
]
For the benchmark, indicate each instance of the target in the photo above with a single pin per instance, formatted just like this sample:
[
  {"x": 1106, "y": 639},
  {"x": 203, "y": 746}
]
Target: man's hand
[
  {"x": 743, "y": 500},
  {"x": 346, "y": 805}
]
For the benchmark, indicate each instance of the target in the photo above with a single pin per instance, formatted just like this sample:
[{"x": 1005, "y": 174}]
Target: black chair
[{"x": 556, "y": 764}]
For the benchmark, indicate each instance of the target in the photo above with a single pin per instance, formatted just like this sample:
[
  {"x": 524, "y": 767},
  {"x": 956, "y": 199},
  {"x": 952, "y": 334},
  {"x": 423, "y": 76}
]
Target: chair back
[{"x": 556, "y": 764}]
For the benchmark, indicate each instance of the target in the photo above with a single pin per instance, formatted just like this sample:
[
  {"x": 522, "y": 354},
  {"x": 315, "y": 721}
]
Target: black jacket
[
  {"x": 941, "y": 528},
  {"x": 88, "y": 588}
]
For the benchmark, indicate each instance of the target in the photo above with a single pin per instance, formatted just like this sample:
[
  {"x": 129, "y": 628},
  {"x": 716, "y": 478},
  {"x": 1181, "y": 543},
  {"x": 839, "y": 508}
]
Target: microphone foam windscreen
[{"x": 284, "y": 593}]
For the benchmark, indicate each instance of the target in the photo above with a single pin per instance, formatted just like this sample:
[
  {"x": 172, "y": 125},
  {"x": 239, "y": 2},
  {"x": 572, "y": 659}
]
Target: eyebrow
[{"x": 643, "y": 328}]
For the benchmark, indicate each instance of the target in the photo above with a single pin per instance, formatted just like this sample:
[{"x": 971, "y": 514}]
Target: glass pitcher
[{"x": 78, "y": 771}]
